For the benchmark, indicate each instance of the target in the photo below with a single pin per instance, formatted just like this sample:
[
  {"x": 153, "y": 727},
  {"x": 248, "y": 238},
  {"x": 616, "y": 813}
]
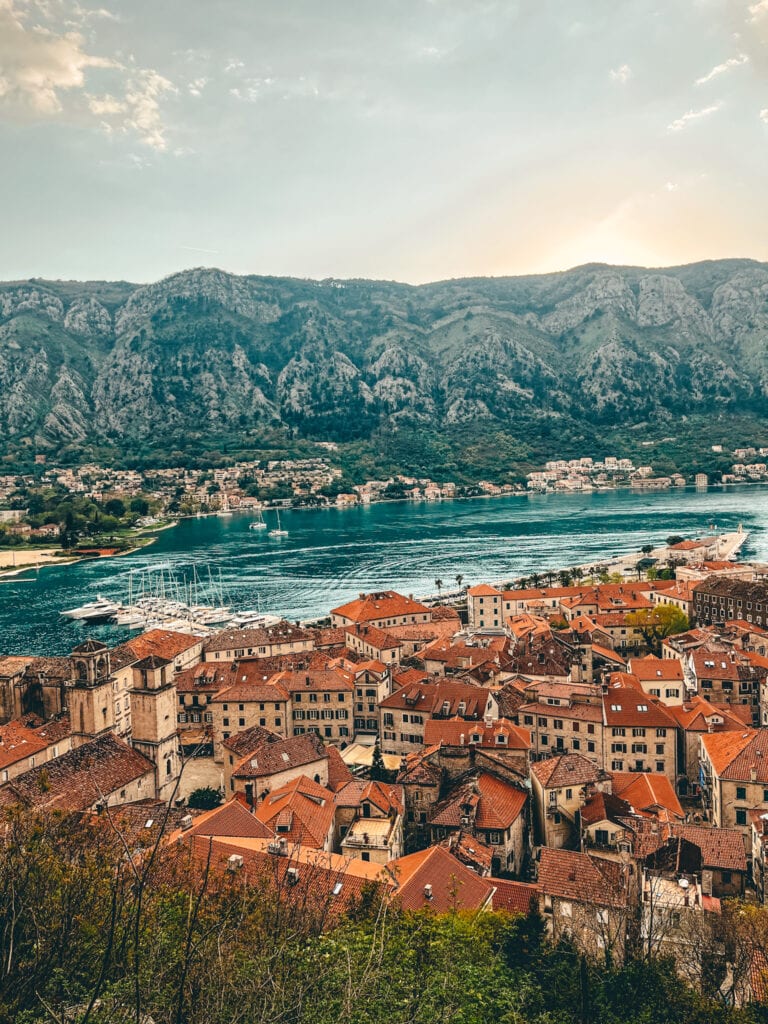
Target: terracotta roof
[
  {"x": 12, "y": 665},
  {"x": 377, "y": 638},
  {"x": 273, "y": 757},
  {"x": 483, "y": 590},
  {"x": 470, "y": 851},
  {"x": 418, "y": 771},
  {"x": 161, "y": 643},
  {"x": 301, "y": 812},
  {"x": 581, "y": 877},
  {"x": 579, "y": 711},
  {"x": 18, "y": 742},
  {"x": 321, "y": 885},
  {"x": 604, "y": 807},
  {"x": 625, "y": 703},
  {"x": 721, "y": 848},
  {"x": 269, "y": 636},
  {"x": 647, "y": 791},
  {"x": 650, "y": 668},
  {"x": 456, "y": 732},
  {"x": 735, "y": 754},
  {"x": 249, "y": 739},
  {"x": 515, "y": 897},
  {"x": 80, "y": 778},
  {"x": 409, "y": 676},
  {"x": 232, "y": 819},
  {"x": 565, "y": 770},
  {"x": 429, "y": 698},
  {"x": 607, "y": 654},
  {"x": 330, "y": 679},
  {"x": 451, "y": 884},
  {"x": 388, "y": 799},
  {"x": 338, "y": 771},
  {"x": 386, "y": 604},
  {"x": 698, "y": 714},
  {"x": 491, "y": 803}
]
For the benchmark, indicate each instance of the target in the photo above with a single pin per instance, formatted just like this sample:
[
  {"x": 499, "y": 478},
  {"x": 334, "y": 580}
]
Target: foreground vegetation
[{"x": 97, "y": 927}]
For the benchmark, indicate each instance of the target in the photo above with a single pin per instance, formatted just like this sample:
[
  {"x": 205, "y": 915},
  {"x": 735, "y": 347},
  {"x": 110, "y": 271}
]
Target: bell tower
[
  {"x": 153, "y": 711},
  {"x": 90, "y": 692}
]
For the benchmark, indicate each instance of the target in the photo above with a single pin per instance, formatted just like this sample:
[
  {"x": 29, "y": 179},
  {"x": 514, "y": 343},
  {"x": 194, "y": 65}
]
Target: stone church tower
[
  {"x": 89, "y": 692},
  {"x": 153, "y": 713}
]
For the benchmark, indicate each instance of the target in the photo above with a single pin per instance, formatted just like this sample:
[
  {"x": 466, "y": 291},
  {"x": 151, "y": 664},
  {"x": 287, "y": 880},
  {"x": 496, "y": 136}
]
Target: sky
[{"x": 413, "y": 140}]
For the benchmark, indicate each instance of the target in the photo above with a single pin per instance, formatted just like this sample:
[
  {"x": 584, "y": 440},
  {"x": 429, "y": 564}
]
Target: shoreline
[{"x": 55, "y": 559}]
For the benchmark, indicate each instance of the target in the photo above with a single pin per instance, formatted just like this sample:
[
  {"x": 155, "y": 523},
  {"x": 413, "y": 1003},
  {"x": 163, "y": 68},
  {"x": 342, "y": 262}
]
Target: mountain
[{"x": 206, "y": 359}]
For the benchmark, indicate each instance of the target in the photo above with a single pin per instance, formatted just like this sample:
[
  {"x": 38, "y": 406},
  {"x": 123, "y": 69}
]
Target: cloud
[
  {"x": 671, "y": 186},
  {"x": 758, "y": 10},
  {"x": 764, "y": 115},
  {"x": 622, "y": 74},
  {"x": 38, "y": 65},
  {"x": 720, "y": 69},
  {"x": 233, "y": 64},
  {"x": 196, "y": 87},
  {"x": 693, "y": 115},
  {"x": 139, "y": 111}
]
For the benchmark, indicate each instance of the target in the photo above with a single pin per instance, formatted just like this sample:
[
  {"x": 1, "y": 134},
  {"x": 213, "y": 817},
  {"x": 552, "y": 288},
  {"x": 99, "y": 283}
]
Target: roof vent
[
  {"x": 683, "y": 883},
  {"x": 234, "y": 862},
  {"x": 292, "y": 876},
  {"x": 428, "y": 891},
  {"x": 186, "y": 822}
]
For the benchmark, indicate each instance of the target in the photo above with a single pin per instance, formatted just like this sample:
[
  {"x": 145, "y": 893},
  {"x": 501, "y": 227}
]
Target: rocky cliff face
[{"x": 205, "y": 355}]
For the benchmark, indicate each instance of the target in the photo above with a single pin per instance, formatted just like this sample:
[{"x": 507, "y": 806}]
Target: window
[
  {"x": 741, "y": 817},
  {"x": 660, "y": 766},
  {"x": 661, "y": 733},
  {"x": 241, "y": 722},
  {"x": 575, "y": 726},
  {"x": 591, "y": 729},
  {"x": 544, "y": 741},
  {"x": 576, "y": 745},
  {"x": 591, "y": 747},
  {"x": 638, "y": 732},
  {"x": 569, "y": 794},
  {"x": 557, "y": 723},
  {"x": 618, "y": 732},
  {"x": 225, "y": 721},
  {"x": 725, "y": 877},
  {"x": 527, "y": 719},
  {"x": 741, "y": 792},
  {"x": 617, "y": 766}
]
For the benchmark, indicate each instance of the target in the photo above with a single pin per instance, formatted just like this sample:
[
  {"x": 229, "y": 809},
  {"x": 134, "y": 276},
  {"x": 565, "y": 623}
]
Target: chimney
[
  {"x": 753, "y": 773},
  {"x": 428, "y": 891}
]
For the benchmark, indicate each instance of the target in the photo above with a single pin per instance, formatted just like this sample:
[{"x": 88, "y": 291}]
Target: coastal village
[{"x": 595, "y": 752}]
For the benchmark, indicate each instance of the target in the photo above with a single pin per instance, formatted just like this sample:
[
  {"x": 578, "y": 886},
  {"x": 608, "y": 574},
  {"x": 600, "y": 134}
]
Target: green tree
[
  {"x": 655, "y": 624},
  {"x": 205, "y": 798}
]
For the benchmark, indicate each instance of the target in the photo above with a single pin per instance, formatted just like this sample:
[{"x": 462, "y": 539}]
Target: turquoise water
[{"x": 332, "y": 555}]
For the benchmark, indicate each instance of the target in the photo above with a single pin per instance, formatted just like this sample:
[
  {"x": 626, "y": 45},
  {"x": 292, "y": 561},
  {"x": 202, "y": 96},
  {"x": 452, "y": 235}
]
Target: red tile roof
[
  {"x": 581, "y": 877},
  {"x": 566, "y": 770},
  {"x": 515, "y": 897},
  {"x": 451, "y": 885},
  {"x": 457, "y": 732},
  {"x": 387, "y": 604},
  {"x": 80, "y": 778},
  {"x": 161, "y": 643},
  {"x": 648, "y": 792},
  {"x": 735, "y": 754},
  {"x": 276, "y": 756},
  {"x": 233, "y": 820},
  {"x": 301, "y": 812}
]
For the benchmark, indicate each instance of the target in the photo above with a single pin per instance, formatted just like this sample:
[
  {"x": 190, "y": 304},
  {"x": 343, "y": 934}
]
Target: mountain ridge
[{"x": 203, "y": 357}]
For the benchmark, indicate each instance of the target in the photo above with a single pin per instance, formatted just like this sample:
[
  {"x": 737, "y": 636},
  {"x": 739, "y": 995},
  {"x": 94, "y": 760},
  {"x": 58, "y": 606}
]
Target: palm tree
[
  {"x": 459, "y": 580},
  {"x": 439, "y": 585},
  {"x": 536, "y": 580}
]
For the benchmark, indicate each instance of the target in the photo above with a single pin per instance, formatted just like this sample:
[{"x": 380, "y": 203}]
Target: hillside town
[
  {"x": 597, "y": 751},
  {"x": 318, "y": 481}
]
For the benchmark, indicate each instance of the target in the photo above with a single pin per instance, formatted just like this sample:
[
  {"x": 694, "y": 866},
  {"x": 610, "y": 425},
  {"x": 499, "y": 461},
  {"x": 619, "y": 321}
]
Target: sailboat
[
  {"x": 278, "y": 531},
  {"x": 258, "y": 523}
]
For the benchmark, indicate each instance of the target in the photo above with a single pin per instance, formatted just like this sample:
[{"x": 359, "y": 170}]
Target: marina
[{"x": 332, "y": 555}]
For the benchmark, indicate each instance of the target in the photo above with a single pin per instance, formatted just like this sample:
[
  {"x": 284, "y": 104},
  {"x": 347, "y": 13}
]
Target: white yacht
[
  {"x": 278, "y": 531},
  {"x": 99, "y": 610},
  {"x": 258, "y": 523},
  {"x": 253, "y": 619}
]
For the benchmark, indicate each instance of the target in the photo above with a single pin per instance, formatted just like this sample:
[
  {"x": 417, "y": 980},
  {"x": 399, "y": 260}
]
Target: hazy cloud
[
  {"x": 719, "y": 69},
  {"x": 197, "y": 86},
  {"x": 693, "y": 115},
  {"x": 758, "y": 10},
  {"x": 37, "y": 66},
  {"x": 622, "y": 74},
  {"x": 764, "y": 115}
]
